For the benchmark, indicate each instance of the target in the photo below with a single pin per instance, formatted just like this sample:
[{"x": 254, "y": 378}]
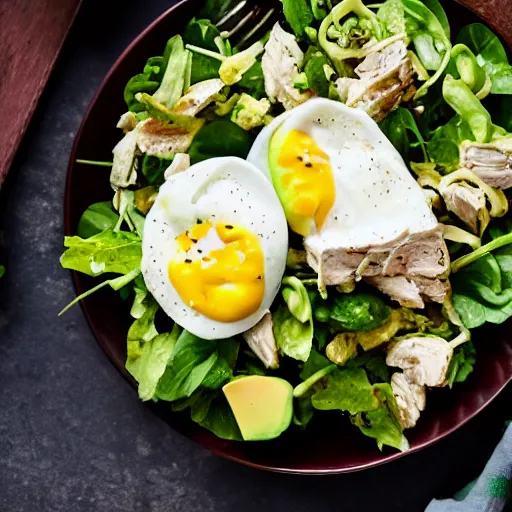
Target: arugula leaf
[
  {"x": 347, "y": 390},
  {"x": 396, "y": 127},
  {"x": 97, "y": 218},
  {"x": 298, "y": 14},
  {"x": 107, "y": 251},
  {"x": 359, "y": 311},
  {"x": 235, "y": 141},
  {"x": 149, "y": 365},
  {"x": 382, "y": 422},
  {"x": 191, "y": 360},
  {"x": 211, "y": 410},
  {"x": 462, "y": 363},
  {"x": 490, "y": 54}
]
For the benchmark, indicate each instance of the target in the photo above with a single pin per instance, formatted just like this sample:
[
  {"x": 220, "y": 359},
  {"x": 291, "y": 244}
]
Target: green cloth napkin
[{"x": 490, "y": 491}]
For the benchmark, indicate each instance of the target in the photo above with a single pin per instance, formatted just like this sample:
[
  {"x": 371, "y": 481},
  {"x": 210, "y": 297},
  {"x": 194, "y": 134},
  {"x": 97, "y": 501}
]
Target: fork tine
[
  {"x": 255, "y": 28},
  {"x": 239, "y": 25},
  {"x": 232, "y": 13}
]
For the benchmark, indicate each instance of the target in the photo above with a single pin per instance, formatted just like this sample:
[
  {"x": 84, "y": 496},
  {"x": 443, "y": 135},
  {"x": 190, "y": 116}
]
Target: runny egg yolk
[
  {"x": 309, "y": 182},
  {"x": 227, "y": 284}
]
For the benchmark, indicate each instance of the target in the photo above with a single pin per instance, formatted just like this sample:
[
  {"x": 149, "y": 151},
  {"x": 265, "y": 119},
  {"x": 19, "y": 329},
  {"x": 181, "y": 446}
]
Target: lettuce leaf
[{"x": 108, "y": 251}]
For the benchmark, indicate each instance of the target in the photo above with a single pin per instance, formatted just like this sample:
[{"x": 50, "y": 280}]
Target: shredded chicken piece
[
  {"x": 385, "y": 76},
  {"x": 163, "y": 140},
  {"x": 424, "y": 359},
  {"x": 262, "y": 342},
  {"x": 491, "y": 162},
  {"x": 180, "y": 163},
  {"x": 280, "y": 63},
  {"x": 468, "y": 204},
  {"x": 410, "y": 399},
  {"x": 124, "y": 169},
  {"x": 127, "y": 122},
  {"x": 198, "y": 97},
  {"x": 422, "y": 260}
]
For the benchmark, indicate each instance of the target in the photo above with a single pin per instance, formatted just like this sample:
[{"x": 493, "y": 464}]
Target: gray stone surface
[{"x": 73, "y": 435}]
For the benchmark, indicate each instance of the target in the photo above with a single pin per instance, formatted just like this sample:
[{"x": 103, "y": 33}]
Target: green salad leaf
[
  {"x": 392, "y": 14},
  {"x": 347, "y": 390},
  {"x": 298, "y": 14},
  {"x": 382, "y": 422},
  {"x": 462, "y": 363},
  {"x": 253, "y": 81},
  {"x": 191, "y": 361},
  {"x": 108, "y": 251},
  {"x": 149, "y": 365},
  {"x": 314, "y": 69},
  {"x": 97, "y": 218},
  {"x": 211, "y": 410},
  {"x": 235, "y": 141},
  {"x": 490, "y": 54},
  {"x": 153, "y": 169},
  {"x": 396, "y": 127},
  {"x": 375, "y": 365},
  {"x": 430, "y": 39},
  {"x": 359, "y": 311}
]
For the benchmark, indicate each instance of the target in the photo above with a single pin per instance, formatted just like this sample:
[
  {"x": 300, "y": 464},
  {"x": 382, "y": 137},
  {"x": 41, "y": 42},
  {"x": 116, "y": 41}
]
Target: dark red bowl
[{"x": 331, "y": 445}]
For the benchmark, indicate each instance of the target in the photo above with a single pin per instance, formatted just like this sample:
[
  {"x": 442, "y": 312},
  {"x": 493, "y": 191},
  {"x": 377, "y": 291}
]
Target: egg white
[
  {"x": 218, "y": 190},
  {"x": 377, "y": 198}
]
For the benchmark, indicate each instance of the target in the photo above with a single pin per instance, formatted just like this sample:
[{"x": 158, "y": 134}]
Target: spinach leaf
[
  {"x": 359, "y": 311},
  {"x": 396, "y": 127},
  {"x": 108, "y": 251},
  {"x": 211, "y": 410},
  {"x": 375, "y": 365},
  {"x": 234, "y": 141},
  {"x": 462, "y": 363},
  {"x": 153, "y": 169},
  {"x": 443, "y": 147},
  {"x": 382, "y": 422},
  {"x": 298, "y": 14},
  {"x": 429, "y": 37},
  {"x": 97, "y": 218},
  {"x": 222, "y": 370},
  {"x": 314, "y": 363},
  {"x": 201, "y": 33},
  {"x": 203, "y": 68},
  {"x": 253, "y": 81},
  {"x": 315, "y": 74},
  {"x": 191, "y": 361},
  {"x": 303, "y": 411},
  {"x": 490, "y": 54},
  {"x": 437, "y": 10}
]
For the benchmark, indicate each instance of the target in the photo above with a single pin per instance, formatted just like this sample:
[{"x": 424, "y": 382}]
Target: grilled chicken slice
[
  {"x": 410, "y": 399},
  {"x": 491, "y": 162},
  {"x": 280, "y": 63},
  {"x": 385, "y": 78},
  {"x": 198, "y": 97},
  {"x": 262, "y": 342}
]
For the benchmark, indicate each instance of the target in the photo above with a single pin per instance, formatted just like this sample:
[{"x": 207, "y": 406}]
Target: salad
[{"x": 314, "y": 220}]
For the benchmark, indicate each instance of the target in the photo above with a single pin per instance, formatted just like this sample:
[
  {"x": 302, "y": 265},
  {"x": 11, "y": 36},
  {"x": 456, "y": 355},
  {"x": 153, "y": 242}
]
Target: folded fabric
[{"x": 490, "y": 491}]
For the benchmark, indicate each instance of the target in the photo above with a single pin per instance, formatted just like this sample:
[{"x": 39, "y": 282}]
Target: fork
[{"x": 247, "y": 21}]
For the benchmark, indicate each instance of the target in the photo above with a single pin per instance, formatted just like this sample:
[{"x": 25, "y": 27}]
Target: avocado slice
[{"x": 263, "y": 406}]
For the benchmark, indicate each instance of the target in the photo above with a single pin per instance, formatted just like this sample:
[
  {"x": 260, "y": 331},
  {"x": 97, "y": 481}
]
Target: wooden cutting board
[{"x": 31, "y": 35}]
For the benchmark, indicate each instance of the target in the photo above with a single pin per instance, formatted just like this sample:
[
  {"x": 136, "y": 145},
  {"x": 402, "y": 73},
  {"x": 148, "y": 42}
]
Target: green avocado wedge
[{"x": 263, "y": 406}]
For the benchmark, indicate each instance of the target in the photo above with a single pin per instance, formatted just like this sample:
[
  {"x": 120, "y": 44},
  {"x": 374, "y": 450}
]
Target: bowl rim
[{"x": 382, "y": 459}]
